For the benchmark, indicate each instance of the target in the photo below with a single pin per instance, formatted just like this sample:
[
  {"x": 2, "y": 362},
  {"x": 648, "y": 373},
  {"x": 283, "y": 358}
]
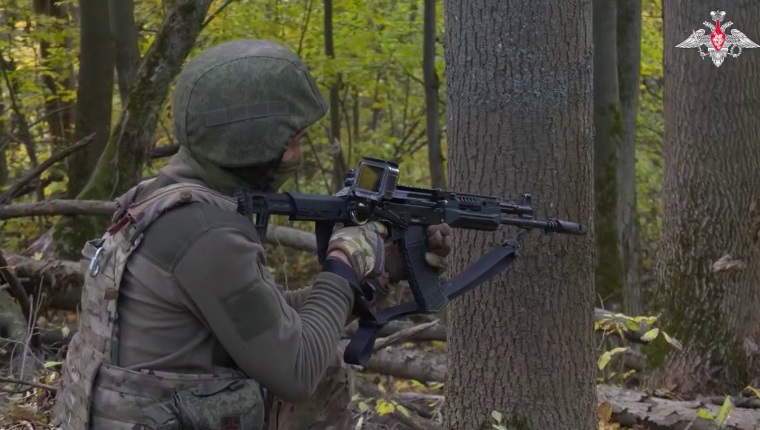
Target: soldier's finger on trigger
[
  {"x": 436, "y": 240},
  {"x": 446, "y": 230},
  {"x": 447, "y": 244}
]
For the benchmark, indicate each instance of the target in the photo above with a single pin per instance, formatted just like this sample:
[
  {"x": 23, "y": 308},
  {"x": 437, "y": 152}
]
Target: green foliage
[
  {"x": 649, "y": 137},
  {"x": 378, "y": 59},
  {"x": 721, "y": 419},
  {"x": 619, "y": 325}
]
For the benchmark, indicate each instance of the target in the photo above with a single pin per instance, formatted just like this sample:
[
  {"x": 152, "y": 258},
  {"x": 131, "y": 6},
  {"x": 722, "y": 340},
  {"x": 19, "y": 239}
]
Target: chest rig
[{"x": 94, "y": 392}]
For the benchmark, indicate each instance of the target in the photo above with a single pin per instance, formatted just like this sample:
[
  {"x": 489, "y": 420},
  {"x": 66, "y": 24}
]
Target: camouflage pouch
[{"x": 227, "y": 405}]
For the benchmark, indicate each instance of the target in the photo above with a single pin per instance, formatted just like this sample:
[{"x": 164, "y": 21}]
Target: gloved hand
[
  {"x": 439, "y": 247},
  {"x": 363, "y": 246}
]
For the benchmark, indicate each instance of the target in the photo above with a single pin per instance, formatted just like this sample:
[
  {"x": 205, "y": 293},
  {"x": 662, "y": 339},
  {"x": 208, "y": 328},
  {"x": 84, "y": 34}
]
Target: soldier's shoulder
[{"x": 167, "y": 239}]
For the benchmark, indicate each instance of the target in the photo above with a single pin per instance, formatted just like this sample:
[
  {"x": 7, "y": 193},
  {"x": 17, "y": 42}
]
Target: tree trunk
[
  {"x": 521, "y": 120},
  {"x": 59, "y": 114},
  {"x": 708, "y": 269},
  {"x": 4, "y": 143},
  {"x": 629, "y": 74},
  {"x": 94, "y": 91},
  {"x": 3, "y": 164},
  {"x": 435, "y": 157},
  {"x": 339, "y": 163},
  {"x": 127, "y": 52},
  {"x": 132, "y": 140},
  {"x": 608, "y": 131}
]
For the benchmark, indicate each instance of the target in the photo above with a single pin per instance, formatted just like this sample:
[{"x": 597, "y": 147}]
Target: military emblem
[{"x": 719, "y": 45}]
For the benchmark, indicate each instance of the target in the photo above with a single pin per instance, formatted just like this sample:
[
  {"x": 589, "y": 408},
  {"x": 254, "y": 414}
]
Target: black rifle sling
[{"x": 361, "y": 345}]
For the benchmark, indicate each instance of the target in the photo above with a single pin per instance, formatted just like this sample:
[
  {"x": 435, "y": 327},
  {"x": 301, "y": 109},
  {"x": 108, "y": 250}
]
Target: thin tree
[
  {"x": 94, "y": 91},
  {"x": 608, "y": 133},
  {"x": 629, "y": 75}
]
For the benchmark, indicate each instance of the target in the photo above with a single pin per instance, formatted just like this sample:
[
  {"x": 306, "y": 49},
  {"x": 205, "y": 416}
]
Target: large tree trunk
[
  {"x": 521, "y": 120},
  {"x": 608, "y": 129},
  {"x": 94, "y": 91},
  {"x": 708, "y": 269},
  {"x": 629, "y": 73},
  {"x": 132, "y": 140},
  {"x": 435, "y": 157}
]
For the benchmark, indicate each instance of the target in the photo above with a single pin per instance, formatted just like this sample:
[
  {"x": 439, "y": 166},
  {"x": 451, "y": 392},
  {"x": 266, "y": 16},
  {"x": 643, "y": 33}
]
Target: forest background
[{"x": 85, "y": 114}]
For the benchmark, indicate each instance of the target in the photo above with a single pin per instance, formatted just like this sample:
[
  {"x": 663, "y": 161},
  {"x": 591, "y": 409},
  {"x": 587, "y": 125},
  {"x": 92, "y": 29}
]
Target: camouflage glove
[
  {"x": 363, "y": 245},
  {"x": 439, "y": 247}
]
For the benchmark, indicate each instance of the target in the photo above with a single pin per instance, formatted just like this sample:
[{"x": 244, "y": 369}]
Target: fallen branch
[
  {"x": 57, "y": 207},
  {"x": 278, "y": 235},
  {"x": 37, "y": 171},
  {"x": 53, "y": 277},
  {"x": 629, "y": 335},
  {"x": 409, "y": 364},
  {"x": 636, "y": 409},
  {"x": 403, "y": 335},
  {"x": 29, "y": 384},
  {"x": 437, "y": 332},
  {"x": 19, "y": 293}
]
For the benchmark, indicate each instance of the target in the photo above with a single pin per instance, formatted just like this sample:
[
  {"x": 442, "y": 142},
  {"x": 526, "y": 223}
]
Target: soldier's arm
[
  {"x": 285, "y": 350},
  {"x": 296, "y": 298}
]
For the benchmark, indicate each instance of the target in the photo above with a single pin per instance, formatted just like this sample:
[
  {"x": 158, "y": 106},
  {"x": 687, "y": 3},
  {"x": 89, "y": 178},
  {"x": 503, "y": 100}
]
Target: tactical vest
[{"x": 96, "y": 394}]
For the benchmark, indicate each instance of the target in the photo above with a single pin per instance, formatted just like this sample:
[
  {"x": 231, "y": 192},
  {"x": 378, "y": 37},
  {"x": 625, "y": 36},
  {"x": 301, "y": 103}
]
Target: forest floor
[
  {"x": 402, "y": 386},
  {"x": 387, "y": 396}
]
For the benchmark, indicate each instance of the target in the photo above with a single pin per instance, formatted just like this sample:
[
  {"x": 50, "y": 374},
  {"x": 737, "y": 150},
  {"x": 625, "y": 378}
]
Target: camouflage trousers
[{"x": 327, "y": 409}]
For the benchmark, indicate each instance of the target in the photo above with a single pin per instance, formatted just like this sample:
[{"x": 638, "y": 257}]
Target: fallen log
[
  {"x": 407, "y": 363},
  {"x": 640, "y": 410},
  {"x": 422, "y": 366},
  {"x": 630, "y": 409}
]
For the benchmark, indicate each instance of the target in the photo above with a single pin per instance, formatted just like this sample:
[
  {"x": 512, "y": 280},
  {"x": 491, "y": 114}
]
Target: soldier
[{"x": 182, "y": 325}]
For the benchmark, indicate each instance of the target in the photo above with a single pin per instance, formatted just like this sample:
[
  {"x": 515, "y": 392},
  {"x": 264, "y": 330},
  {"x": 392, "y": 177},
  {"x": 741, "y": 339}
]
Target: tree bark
[
  {"x": 4, "y": 173},
  {"x": 430, "y": 78},
  {"x": 94, "y": 91},
  {"x": 629, "y": 75},
  {"x": 708, "y": 269},
  {"x": 127, "y": 51},
  {"x": 520, "y": 119},
  {"x": 120, "y": 164},
  {"x": 608, "y": 131},
  {"x": 339, "y": 163},
  {"x": 4, "y": 143}
]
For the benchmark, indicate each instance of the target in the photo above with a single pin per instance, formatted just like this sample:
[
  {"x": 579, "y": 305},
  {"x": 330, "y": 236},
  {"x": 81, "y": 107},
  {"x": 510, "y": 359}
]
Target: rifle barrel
[{"x": 549, "y": 225}]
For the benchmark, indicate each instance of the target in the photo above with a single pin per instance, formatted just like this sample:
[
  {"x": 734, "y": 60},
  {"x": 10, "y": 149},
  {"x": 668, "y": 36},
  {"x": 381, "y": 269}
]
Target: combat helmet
[{"x": 239, "y": 103}]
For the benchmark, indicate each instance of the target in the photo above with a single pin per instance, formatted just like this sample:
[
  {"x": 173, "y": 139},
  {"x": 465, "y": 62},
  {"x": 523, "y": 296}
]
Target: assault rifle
[{"x": 372, "y": 193}]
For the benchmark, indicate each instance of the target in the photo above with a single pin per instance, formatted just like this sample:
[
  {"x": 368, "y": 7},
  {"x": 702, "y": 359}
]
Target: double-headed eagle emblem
[{"x": 719, "y": 44}]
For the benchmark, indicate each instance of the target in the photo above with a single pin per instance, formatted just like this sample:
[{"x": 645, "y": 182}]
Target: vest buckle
[{"x": 95, "y": 263}]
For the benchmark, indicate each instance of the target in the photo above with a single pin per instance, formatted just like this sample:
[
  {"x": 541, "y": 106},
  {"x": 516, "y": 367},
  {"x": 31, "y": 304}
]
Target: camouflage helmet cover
[{"x": 240, "y": 103}]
